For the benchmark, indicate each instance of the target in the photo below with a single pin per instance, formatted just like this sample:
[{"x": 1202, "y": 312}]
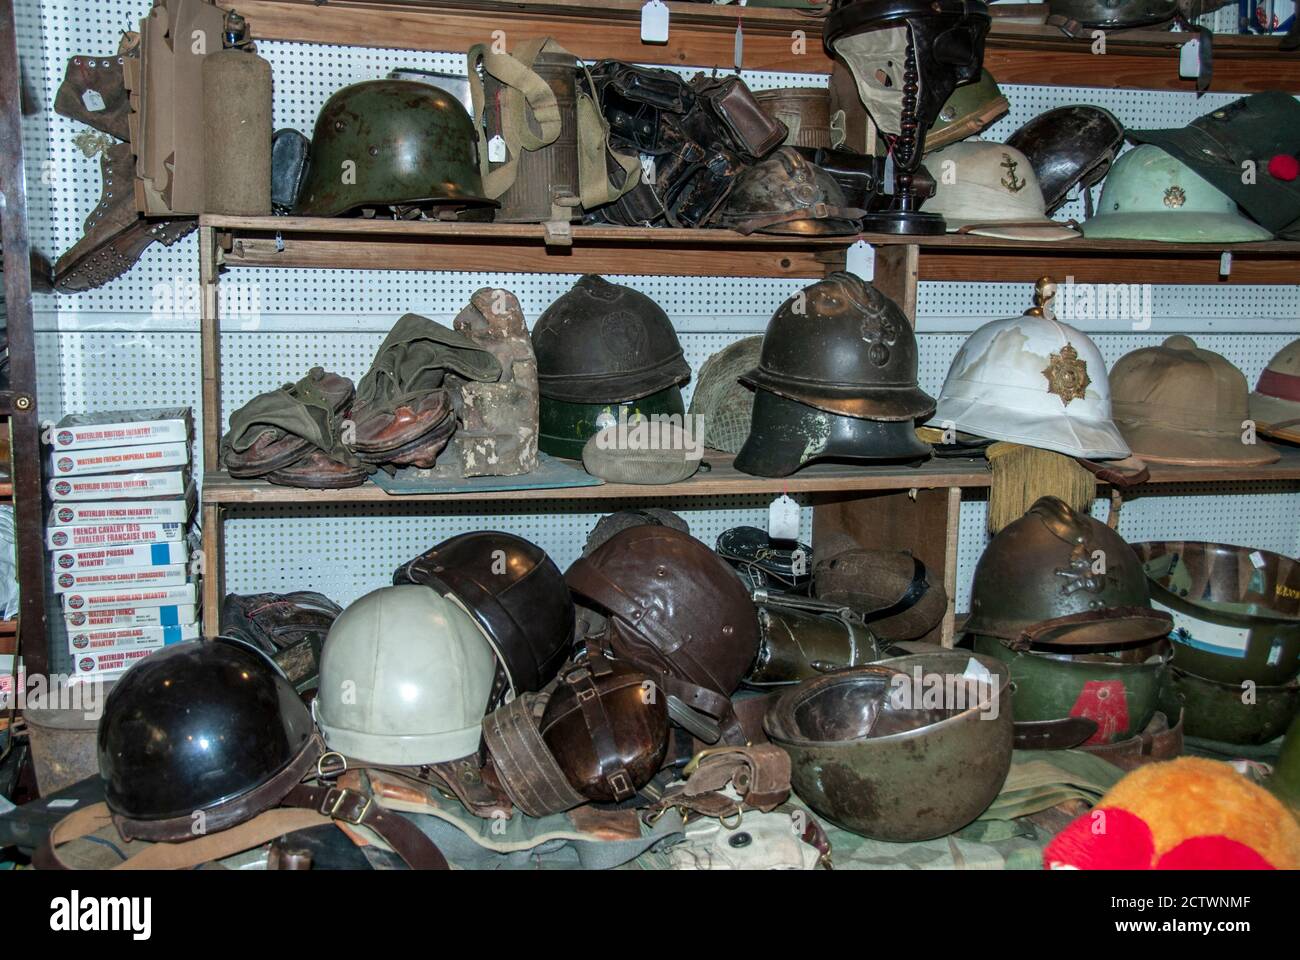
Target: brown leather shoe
[
  {"x": 93, "y": 91},
  {"x": 317, "y": 471},
  {"x": 380, "y": 433}
]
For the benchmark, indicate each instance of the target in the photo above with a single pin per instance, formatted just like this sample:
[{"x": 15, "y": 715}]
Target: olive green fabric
[
  {"x": 725, "y": 404},
  {"x": 301, "y": 409},
  {"x": 643, "y": 453},
  {"x": 413, "y": 359},
  {"x": 565, "y": 427}
]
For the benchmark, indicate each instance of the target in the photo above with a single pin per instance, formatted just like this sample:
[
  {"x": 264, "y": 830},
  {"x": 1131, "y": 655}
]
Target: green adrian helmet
[
  {"x": 972, "y": 107},
  {"x": 565, "y": 427},
  {"x": 391, "y": 143},
  {"x": 1150, "y": 195}
]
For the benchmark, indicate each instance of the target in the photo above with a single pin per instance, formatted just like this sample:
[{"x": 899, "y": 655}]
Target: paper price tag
[
  {"x": 860, "y": 260},
  {"x": 1225, "y": 263},
  {"x": 497, "y": 150},
  {"x": 783, "y": 519},
  {"x": 654, "y": 22},
  {"x": 1189, "y": 59},
  {"x": 647, "y": 169},
  {"x": 887, "y": 178},
  {"x": 93, "y": 101},
  {"x": 1257, "y": 560}
]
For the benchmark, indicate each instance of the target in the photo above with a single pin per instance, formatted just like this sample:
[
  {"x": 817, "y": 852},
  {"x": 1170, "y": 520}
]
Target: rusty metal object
[
  {"x": 498, "y": 434},
  {"x": 873, "y": 763}
]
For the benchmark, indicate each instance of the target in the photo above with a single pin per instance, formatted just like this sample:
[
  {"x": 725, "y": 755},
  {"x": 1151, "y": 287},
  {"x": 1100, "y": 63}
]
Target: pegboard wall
[{"x": 135, "y": 341}]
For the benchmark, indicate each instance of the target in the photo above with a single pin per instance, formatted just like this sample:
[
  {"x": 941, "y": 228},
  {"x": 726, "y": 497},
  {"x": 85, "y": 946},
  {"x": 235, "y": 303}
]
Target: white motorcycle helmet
[
  {"x": 405, "y": 677},
  {"x": 1035, "y": 381}
]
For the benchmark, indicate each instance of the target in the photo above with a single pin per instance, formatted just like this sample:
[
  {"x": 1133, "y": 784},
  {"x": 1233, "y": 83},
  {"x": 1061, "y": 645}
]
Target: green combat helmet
[
  {"x": 1063, "y": 600},
  {"x": 972, "y": 107},
  {"x": 1150, "y": 195},
  {"x": 389, "y": 143},
  {"x": 565, "y": 426}
]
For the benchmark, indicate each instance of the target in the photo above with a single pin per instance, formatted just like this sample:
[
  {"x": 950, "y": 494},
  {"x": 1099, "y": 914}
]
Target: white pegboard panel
[{"x": 344, "y": 554}]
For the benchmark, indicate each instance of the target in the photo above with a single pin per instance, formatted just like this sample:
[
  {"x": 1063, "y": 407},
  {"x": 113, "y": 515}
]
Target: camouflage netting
[{"x": 719, "y": 397}]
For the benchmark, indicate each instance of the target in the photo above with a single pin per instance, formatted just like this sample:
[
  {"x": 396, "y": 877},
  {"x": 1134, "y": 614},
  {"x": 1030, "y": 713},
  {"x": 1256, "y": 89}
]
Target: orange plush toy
[{"x": 1186, "y": 814}]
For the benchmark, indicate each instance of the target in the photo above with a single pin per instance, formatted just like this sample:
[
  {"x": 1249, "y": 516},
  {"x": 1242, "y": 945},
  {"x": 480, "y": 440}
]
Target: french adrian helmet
[
  {"x": 405, "y": 678},
  {"x": 677, "y": 612},
  {"x": 605, "y": 343},
  {"x": 516, "y": 595},
  {"x": 788, "y": 194},
  {"x": 1063, "y": 600},
  {"x": 390, "y": 143},
  {"x": 842, "y": 346},
  {"x": 1035, "y": 381},
  {"x": 204, "y": 726}
]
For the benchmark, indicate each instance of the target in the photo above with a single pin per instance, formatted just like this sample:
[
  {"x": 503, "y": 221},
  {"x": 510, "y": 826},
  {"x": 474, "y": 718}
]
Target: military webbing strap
[{"x": 523, "y": 87}]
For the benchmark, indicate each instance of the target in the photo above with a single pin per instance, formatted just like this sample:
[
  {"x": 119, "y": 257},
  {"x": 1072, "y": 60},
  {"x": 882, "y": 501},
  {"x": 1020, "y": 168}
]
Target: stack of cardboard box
[{"x": 123, "y": 556}]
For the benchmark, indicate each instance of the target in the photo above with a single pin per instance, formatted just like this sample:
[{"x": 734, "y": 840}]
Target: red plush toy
[{"x": 1186, "y": 814}]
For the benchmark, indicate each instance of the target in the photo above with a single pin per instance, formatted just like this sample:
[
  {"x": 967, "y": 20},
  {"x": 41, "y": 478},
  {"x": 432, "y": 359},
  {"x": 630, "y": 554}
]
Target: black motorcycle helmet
[
  {"x": 516, "y": 595},
  {"x": 202, "y": 727}
]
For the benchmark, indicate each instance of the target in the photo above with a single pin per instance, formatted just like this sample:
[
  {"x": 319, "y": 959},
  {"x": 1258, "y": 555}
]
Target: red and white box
[
  {"x": 108, "y": 663},
  {"x": 131, "y": 617},
  {"x": 152, "y": 456},
  {"x": 102, "y": 535},
  {"x": 74, "y": 600},
  {"x": 113, "y": 558},
  {"x": 120, "y": 486},
  {"x": 124, "y": 511},
  {"x": 122, "y": 428},
  {"x": 115, "y": 639},
  {"x": 133, "y": 577}
]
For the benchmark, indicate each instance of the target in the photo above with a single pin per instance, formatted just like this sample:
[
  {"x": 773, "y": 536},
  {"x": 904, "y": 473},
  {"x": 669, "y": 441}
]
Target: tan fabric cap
[
  {"x": 1275, "y": 403},
  {"x": 1178, "y": 403}
]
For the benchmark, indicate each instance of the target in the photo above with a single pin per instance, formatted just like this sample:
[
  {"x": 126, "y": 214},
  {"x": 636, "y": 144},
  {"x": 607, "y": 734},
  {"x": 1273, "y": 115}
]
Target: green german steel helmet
[
  {"x": 971, "y": 107},
  {"x": 386, "y": 143},
  {"x": 1151, "y": 195},
  {"x": 605, "y": 343},
  {"x": 1062, "y": 600},
  {"x": 564, "y": 427}
]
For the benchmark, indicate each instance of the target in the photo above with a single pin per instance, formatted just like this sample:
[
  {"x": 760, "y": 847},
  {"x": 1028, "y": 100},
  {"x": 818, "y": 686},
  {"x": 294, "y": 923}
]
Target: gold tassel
[{"x": 1023, "y": 474}]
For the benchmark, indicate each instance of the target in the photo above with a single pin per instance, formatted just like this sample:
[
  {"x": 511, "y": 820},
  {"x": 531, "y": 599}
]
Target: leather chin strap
[
  {"x": 524, "y": 764},
  {"x": 612, "y": 770}
]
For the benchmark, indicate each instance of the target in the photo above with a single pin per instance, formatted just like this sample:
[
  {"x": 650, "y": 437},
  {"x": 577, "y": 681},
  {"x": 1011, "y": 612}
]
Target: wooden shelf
[
  {"x": 320, "y": 242},
  {"x": 724, "y": 479},
  {"x": 787, "y": 40}
]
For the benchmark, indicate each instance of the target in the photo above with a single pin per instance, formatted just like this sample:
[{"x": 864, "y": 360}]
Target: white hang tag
[
  {"x": 647, "y": 169},
  {"x": 1189, "y": 59},
  {"x": 783, "y": 519},
  {"x": 1257, "y": 560},
  {"x": 887, "y": 178},
  {"x": 654, "y": 22},
  {"x": 739, "y": 51},
  {"x": 1225, "y": 263},
  {"x": 497, "y": 150},
  {"x": 93, "y": 101},
  {"x": 798, "y": 562},
  {"x": 860, "y": 260}
]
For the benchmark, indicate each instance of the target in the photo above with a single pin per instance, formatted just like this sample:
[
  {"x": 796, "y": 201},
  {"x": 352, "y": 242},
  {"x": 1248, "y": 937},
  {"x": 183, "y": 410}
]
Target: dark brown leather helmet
[
  {"x": 842, "y": 346},
  {"x": 1057, "y": 577},
  {"x": 607, "y": 727},
  {"x": 516, "y": 595},
  {"x": 1068, "y": 147},
  {"x": 603, "y": 342},
  {"x": 679, "y": 613}
]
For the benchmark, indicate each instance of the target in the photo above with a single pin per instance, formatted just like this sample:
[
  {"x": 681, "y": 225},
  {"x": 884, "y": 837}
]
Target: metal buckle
[
  {"x": 621, "y": 784},
  {"x": 338, "y": 797}
]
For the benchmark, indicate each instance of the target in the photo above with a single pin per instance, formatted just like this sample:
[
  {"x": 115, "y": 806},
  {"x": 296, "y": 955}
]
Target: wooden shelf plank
[
  {"x": 786, "y": 40},
  {"x": 724, "y": 479},
  {"x": 318, "y": 242}
]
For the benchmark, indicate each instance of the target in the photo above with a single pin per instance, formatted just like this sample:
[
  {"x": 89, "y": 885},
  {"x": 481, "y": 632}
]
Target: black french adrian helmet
[
  {"x": 516, "y": 595},
  {"x": 606, "y": 343},
  {"x": 204, "y": 728}
]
